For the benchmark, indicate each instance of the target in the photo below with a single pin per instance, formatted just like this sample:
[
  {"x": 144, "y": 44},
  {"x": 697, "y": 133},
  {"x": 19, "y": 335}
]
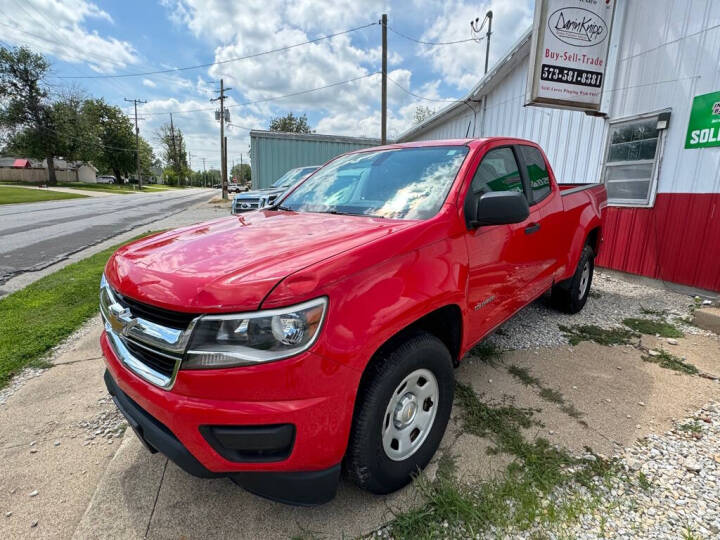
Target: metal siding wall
[
  {"x": 572, "y": 140},
  {"x": 272, "y": 156},
  {"x": 673, "y": 59}
]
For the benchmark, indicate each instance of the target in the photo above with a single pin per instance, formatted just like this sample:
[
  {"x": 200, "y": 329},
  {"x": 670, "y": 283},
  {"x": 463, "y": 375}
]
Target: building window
[{"x": 630, "y": 171}]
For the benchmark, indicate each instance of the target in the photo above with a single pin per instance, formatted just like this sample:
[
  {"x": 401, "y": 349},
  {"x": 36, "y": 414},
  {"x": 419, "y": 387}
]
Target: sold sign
[{"x": 704, "y": 125}]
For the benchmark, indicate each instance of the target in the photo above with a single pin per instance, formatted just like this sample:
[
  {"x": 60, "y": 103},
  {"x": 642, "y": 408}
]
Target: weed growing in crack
[
  {"x": 589, "y": 332},
  {"x": 669, "y": 361},
  {"x": 519, "y": 498},
  {"x": 486, "y": 352},
  {"x": 548, "y": 394},
  {"x": 653, "y": 327}
]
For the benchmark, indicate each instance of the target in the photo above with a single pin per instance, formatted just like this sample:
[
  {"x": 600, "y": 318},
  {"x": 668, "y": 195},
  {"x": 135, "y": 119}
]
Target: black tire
[
  {"x": 366, "y": 462},
  {"x": 570, "y": 295}
]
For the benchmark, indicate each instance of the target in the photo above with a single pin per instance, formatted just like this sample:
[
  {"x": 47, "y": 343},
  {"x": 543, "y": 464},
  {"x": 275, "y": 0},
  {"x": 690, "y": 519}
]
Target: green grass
[
  {"x": 486, "y": 352},
  {"x": 589, "y": 332},
  {"x": 15, "y": 195},
  {"x": 518, "y": 499},
  {"x": 690, "y": 427},
  {"x": 644, "y": 481},
  {"x": 670, "y": 361},
  {"x": 35, "y": 319},
  {"x": 653, "y": 327}
]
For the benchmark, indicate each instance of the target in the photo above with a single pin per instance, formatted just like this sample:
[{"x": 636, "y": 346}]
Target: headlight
[{"x": 251, "y": 338}]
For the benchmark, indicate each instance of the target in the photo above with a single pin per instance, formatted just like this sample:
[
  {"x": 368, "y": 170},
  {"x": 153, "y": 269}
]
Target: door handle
[{"x": 533, "y": 227}]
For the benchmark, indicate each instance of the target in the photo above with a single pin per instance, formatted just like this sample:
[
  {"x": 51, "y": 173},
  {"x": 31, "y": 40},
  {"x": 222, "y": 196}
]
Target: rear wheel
[
  {"x": 403, "y": 408},
  {"x": 570, "y": 295}
]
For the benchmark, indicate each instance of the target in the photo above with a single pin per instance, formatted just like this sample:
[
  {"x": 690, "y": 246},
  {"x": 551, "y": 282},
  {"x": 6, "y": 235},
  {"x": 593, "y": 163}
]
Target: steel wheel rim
[
  {"x": 584, "y": 279},
  {"x": 410, "y": 414}
]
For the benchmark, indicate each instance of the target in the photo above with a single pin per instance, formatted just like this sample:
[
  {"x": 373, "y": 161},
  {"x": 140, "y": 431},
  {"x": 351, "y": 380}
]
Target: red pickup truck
[{"x": 284, "y": 345}]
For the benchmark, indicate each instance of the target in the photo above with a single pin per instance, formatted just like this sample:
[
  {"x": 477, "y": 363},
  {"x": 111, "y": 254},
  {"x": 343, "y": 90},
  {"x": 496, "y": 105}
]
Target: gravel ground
[
  {"x": 612, "y": 300},
  {"x": 104, "y": 426},
  {"x": 666, "y": 488},
  {"x": 671, "y": 489}
]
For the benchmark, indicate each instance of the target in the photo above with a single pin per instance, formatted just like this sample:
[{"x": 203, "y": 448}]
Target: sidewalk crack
[{"x": 157, "y": 496}]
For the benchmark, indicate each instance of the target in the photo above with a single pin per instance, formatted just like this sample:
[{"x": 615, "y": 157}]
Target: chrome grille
[{"x": 147, "y": 347}]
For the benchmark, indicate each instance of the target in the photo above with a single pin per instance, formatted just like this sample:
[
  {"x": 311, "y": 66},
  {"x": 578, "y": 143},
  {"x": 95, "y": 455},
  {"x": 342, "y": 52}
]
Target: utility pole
[
  {"x": 204, "y": 177},
  {"x": 383, "y": 112},
  {"x": 487, "y": 45},
  {"x": 476, "y": 26},
  {"x": 137, "y": 140},
  {"x": 223, "y": 155}
]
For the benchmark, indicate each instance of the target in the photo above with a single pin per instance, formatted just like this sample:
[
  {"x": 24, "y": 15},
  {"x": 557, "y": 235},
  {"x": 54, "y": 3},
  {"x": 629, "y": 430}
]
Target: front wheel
[
  {"x": 403, "y": 409},
  {"x": 570, "y": 295}
]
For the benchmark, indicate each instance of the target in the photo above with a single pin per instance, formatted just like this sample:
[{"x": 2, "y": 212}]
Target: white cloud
[
  {"x": 57, "y": 27},
  {"x": 149, "y": 83},
  {"x": 462, "y": 65},
  {"x": 241, "y": 29}
]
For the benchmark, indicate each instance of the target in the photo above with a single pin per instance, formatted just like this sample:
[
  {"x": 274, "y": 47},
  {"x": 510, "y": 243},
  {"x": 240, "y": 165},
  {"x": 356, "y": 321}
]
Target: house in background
[
  {"x": 16, "y": 169},
  {"x": 22, "y": 164}
]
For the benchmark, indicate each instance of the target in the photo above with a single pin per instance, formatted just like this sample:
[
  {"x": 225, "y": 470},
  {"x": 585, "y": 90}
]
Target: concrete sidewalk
[
  {"x": 620, "y": 399},
  {"x": 49, "y": 472}
]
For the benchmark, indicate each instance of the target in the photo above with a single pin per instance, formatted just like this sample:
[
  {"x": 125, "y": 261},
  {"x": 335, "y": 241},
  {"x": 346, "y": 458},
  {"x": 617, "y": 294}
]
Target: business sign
[
  {"x": 704, "y": 125},
  {"x": 569, "y": 53}
]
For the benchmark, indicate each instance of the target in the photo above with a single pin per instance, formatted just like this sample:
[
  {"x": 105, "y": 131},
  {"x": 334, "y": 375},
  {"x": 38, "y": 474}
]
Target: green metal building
[{"x": 273, "y": 153}]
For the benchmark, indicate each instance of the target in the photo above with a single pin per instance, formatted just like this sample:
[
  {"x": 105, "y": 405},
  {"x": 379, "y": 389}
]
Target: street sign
[
  {"x": 569, "y": 52},
  {"x": 704, "y": 124}
]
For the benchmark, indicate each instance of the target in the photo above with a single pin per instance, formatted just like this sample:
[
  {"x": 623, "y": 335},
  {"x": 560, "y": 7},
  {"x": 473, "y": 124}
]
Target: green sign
[{"x": 704, "y": 125}]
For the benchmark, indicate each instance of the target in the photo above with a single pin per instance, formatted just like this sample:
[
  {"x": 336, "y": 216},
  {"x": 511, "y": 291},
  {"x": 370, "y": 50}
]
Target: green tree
[
  {"x": 174, "y": 154},
  {"x": 242, "y": 173},
  {"x": 290, "y": 124},
  {"x": 147, "y": 158},
  {"x": 113, "y": 145},
  {"x": 33, "y": 124}
]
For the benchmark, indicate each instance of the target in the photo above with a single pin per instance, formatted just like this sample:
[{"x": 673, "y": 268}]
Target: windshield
[
  {"x": 405, "y": 183},
  {"x": 292, "y": 176}
]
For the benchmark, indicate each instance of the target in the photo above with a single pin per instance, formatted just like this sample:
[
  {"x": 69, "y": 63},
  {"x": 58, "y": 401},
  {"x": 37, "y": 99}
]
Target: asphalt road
[{"x": 36, "y": 235}]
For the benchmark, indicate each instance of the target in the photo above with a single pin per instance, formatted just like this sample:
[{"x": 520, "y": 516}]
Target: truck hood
[{"x": 231, "y": 264}]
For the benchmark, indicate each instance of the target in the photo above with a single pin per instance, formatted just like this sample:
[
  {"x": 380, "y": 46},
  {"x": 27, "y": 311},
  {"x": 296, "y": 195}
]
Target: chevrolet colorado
[{"x": 281, "y": 346}]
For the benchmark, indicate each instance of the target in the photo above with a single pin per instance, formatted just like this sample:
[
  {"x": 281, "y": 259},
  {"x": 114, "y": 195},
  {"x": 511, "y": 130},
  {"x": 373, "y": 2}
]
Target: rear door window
[
  {"x": 537, "y": 173},
  {"x": 498, "y": 171}
]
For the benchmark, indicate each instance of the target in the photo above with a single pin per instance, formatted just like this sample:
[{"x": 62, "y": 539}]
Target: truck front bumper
[{"x": 290, "y": 449}]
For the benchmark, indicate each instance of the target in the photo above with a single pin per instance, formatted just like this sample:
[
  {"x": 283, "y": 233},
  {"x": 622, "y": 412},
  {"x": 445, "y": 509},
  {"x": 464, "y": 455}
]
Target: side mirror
[{"x": 497, "y": 208}]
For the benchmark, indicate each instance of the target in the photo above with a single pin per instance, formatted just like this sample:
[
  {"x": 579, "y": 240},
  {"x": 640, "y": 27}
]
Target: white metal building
[{"x": 664, "y": 214}]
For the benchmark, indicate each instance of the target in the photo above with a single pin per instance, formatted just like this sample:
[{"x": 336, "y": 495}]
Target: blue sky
[{"x": 87, "y": 42}]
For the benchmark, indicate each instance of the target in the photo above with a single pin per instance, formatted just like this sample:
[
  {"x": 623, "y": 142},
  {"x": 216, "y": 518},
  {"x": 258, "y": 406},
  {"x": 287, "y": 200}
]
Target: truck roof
[{"x": 446, "y": 142}]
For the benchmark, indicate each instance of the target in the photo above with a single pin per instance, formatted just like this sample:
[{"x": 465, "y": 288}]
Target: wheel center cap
[{"x": 405, "y": 411}]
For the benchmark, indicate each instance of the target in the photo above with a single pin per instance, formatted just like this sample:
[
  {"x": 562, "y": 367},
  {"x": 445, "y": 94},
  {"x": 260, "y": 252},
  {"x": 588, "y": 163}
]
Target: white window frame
[{"x": 649, "y": 202}]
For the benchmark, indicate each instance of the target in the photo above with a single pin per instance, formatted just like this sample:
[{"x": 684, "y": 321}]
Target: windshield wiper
[
  {"x": 281, "y": 207},
  {"x": 340, "y": 213}
]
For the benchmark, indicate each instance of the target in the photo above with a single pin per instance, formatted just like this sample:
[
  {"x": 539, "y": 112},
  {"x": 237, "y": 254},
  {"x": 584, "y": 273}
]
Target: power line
[
  {"x": 431, "y": 43},
  {"x": 266, "y": 100},
  {"x": 199, "y": 66},
  {"x": 401, "y": 87}
]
